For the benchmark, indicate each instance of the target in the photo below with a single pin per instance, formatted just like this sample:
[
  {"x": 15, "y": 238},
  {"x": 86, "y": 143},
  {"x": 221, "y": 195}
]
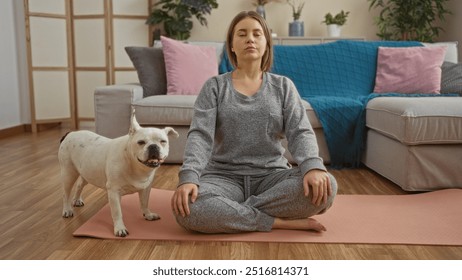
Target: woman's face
[{"x": 249, "y": 42}]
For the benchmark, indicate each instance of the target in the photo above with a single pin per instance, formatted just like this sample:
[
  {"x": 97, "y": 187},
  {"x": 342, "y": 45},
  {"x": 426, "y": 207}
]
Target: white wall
[
  {"x": 278, "y": 15},
  {"x": 360, "y": 22},
  {"x": 453, "y": 24},
  {"x": 11, "y": 96}
]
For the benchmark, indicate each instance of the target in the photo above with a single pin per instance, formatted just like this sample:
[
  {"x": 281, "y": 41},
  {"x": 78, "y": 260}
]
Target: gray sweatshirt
[{"x": 232, "y": 132}]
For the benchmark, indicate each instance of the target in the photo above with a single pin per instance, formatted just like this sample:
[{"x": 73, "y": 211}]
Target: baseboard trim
[
  {"x": 26, "y": 128},
  {"x": 45, "y": 126},
  {"x": 13, "y": 131}
]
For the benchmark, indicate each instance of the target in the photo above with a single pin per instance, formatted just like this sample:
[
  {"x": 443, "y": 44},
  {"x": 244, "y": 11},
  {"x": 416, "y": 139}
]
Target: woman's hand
[
  {"x": 180, "y": 199},
  {"x": 320, "y": 185}
]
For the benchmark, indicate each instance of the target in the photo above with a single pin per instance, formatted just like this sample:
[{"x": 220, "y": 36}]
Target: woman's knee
[
  {"x": 334, "y": 185},
  {"x": 208, "y": 214},
  {"x": 309, "y": 209},
  {"x": 331, "y": 198},
  {"x": 195, "y": 220}
]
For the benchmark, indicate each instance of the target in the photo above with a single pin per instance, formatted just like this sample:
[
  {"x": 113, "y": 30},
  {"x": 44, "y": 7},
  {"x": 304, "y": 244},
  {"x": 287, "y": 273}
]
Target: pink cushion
[
  {"x": 409, "y": 70},
  {"x": 187, "y": 66}
]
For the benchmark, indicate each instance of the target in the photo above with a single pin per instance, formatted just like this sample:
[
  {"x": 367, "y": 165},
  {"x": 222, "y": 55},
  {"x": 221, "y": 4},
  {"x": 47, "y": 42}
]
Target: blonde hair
[{"x": 267, "y": 59}]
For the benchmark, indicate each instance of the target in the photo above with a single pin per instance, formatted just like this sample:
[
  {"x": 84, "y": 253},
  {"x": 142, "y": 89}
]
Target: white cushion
[
  {"x": 417, "y": 120},
  {"x": 451, "y": 51}
]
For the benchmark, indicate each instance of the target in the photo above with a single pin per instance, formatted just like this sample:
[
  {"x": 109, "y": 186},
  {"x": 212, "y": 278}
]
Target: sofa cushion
[
  {"x": 188, "y": 66},
  {"x": 165, "y": 109},
  {"x": 179, "y": 110},
  {"x": 417, "y": 120},
  {"x": 150, "y": 67},
  {"x": 409, "y": 70},
  {"x": 219, "y": 46},
  {"x": 314, "y": 121},
  {"x": 451, "y": 78},
  {"x": 451, "y": 51}
]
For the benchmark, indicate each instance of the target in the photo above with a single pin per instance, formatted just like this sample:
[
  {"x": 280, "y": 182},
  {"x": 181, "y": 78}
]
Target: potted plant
[
  {"x": 176, "y": 15},
  {"x": 412, "y": 20},
  {"x": 335, "y": 23},
  {"x": 296, "y": 28},
  {"x": 260, "y": 4}
]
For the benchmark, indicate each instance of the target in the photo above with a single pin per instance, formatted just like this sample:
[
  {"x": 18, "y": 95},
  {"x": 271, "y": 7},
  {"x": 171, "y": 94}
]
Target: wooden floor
[{"x": 31, "y": 225}]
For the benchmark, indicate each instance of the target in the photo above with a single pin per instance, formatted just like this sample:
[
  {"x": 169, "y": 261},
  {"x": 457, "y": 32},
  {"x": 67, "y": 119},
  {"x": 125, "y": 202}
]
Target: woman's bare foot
[{"x": 300, "y": 224}]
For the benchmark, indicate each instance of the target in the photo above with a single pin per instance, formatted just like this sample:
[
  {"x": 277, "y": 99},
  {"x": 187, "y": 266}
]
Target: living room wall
[
  {"x": 453, "y": 24},
  {"x": 360, "y": 22},
  {"x": 10, "y": 86},
  {"x": 278, "y": 16},
  {"x": 8, "y": 62},
  {"x": 14, "y": 107}
]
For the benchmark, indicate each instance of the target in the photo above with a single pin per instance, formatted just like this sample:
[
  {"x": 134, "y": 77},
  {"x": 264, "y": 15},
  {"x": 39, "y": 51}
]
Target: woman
[{"x": 234, "y": 177}]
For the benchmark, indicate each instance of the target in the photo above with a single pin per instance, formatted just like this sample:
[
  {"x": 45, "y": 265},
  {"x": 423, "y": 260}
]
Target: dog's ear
[
  {"x": 134, "y": 126},
  {"x": 171, "y": 132}
]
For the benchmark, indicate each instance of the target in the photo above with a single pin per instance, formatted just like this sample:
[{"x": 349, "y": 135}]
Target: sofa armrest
[{"x": 113, "y": 108}]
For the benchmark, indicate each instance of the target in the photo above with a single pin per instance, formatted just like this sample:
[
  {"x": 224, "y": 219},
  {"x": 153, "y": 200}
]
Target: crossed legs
[{"x": 230, "y": 203}]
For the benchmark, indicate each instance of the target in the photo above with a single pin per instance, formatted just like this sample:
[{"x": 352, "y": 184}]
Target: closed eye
[{"x": 141, "y": 142}]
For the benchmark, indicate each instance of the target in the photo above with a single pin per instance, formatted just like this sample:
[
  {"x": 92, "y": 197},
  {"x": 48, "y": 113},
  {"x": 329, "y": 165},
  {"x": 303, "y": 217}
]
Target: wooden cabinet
[{"x": 76, "y": 45}]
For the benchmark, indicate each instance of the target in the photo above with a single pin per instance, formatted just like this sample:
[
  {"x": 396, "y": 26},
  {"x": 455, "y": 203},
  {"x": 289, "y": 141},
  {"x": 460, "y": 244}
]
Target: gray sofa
[{"x": 414, "y": 142}]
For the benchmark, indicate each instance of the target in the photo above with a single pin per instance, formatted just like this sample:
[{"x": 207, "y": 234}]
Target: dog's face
[{"x": 149, "y": 145}]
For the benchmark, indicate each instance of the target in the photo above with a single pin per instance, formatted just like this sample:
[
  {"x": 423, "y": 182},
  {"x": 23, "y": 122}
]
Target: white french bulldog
[{"x": 120, "y": 166}]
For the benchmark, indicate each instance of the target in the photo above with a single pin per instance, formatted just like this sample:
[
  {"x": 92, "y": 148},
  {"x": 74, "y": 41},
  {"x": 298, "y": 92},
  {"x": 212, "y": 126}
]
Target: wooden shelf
[{"x": 310, "y": 40}]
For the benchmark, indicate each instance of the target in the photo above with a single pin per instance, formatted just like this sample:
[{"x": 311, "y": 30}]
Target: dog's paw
[
  {"x": 151, "y": 216},
  {"x": 68, "y": 214},
  {"x": 78, "y": 203},
  {"x": 121, "y": 232}
]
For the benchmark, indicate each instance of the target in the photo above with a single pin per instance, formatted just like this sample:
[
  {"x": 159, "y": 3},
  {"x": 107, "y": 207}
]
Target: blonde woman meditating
[{"x": 234, "y": 177}]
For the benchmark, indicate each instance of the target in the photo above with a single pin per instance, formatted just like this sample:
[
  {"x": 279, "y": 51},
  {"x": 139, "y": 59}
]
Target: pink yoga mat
[{"x": 433, "y": 218}]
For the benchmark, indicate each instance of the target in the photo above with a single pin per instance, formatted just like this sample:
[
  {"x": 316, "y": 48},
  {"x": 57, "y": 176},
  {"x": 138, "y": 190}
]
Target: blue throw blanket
[{"x": 337, "y": 80}]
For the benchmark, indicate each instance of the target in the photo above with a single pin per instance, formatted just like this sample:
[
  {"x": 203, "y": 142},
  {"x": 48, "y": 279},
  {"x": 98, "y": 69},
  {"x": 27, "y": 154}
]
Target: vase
[
  {"x": 334, "y": 30},
  {"x": 261, "y": 11},
  {"x": 156, "y": 36},
  {"x": 296, "y": 28}
]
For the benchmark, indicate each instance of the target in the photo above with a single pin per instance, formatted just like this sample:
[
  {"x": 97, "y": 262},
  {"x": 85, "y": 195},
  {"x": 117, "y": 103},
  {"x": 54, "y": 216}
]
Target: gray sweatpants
[{"x": 229, "y": 203}]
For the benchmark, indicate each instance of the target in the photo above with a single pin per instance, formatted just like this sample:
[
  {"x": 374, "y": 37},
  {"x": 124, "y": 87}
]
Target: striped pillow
[{"x": 451, "y": 78}]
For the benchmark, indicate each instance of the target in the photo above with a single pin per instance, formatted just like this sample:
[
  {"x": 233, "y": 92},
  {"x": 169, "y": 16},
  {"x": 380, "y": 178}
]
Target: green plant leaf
[
  {"x": 409, "y": 19},
  {"x": 175, "y": 15}
]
